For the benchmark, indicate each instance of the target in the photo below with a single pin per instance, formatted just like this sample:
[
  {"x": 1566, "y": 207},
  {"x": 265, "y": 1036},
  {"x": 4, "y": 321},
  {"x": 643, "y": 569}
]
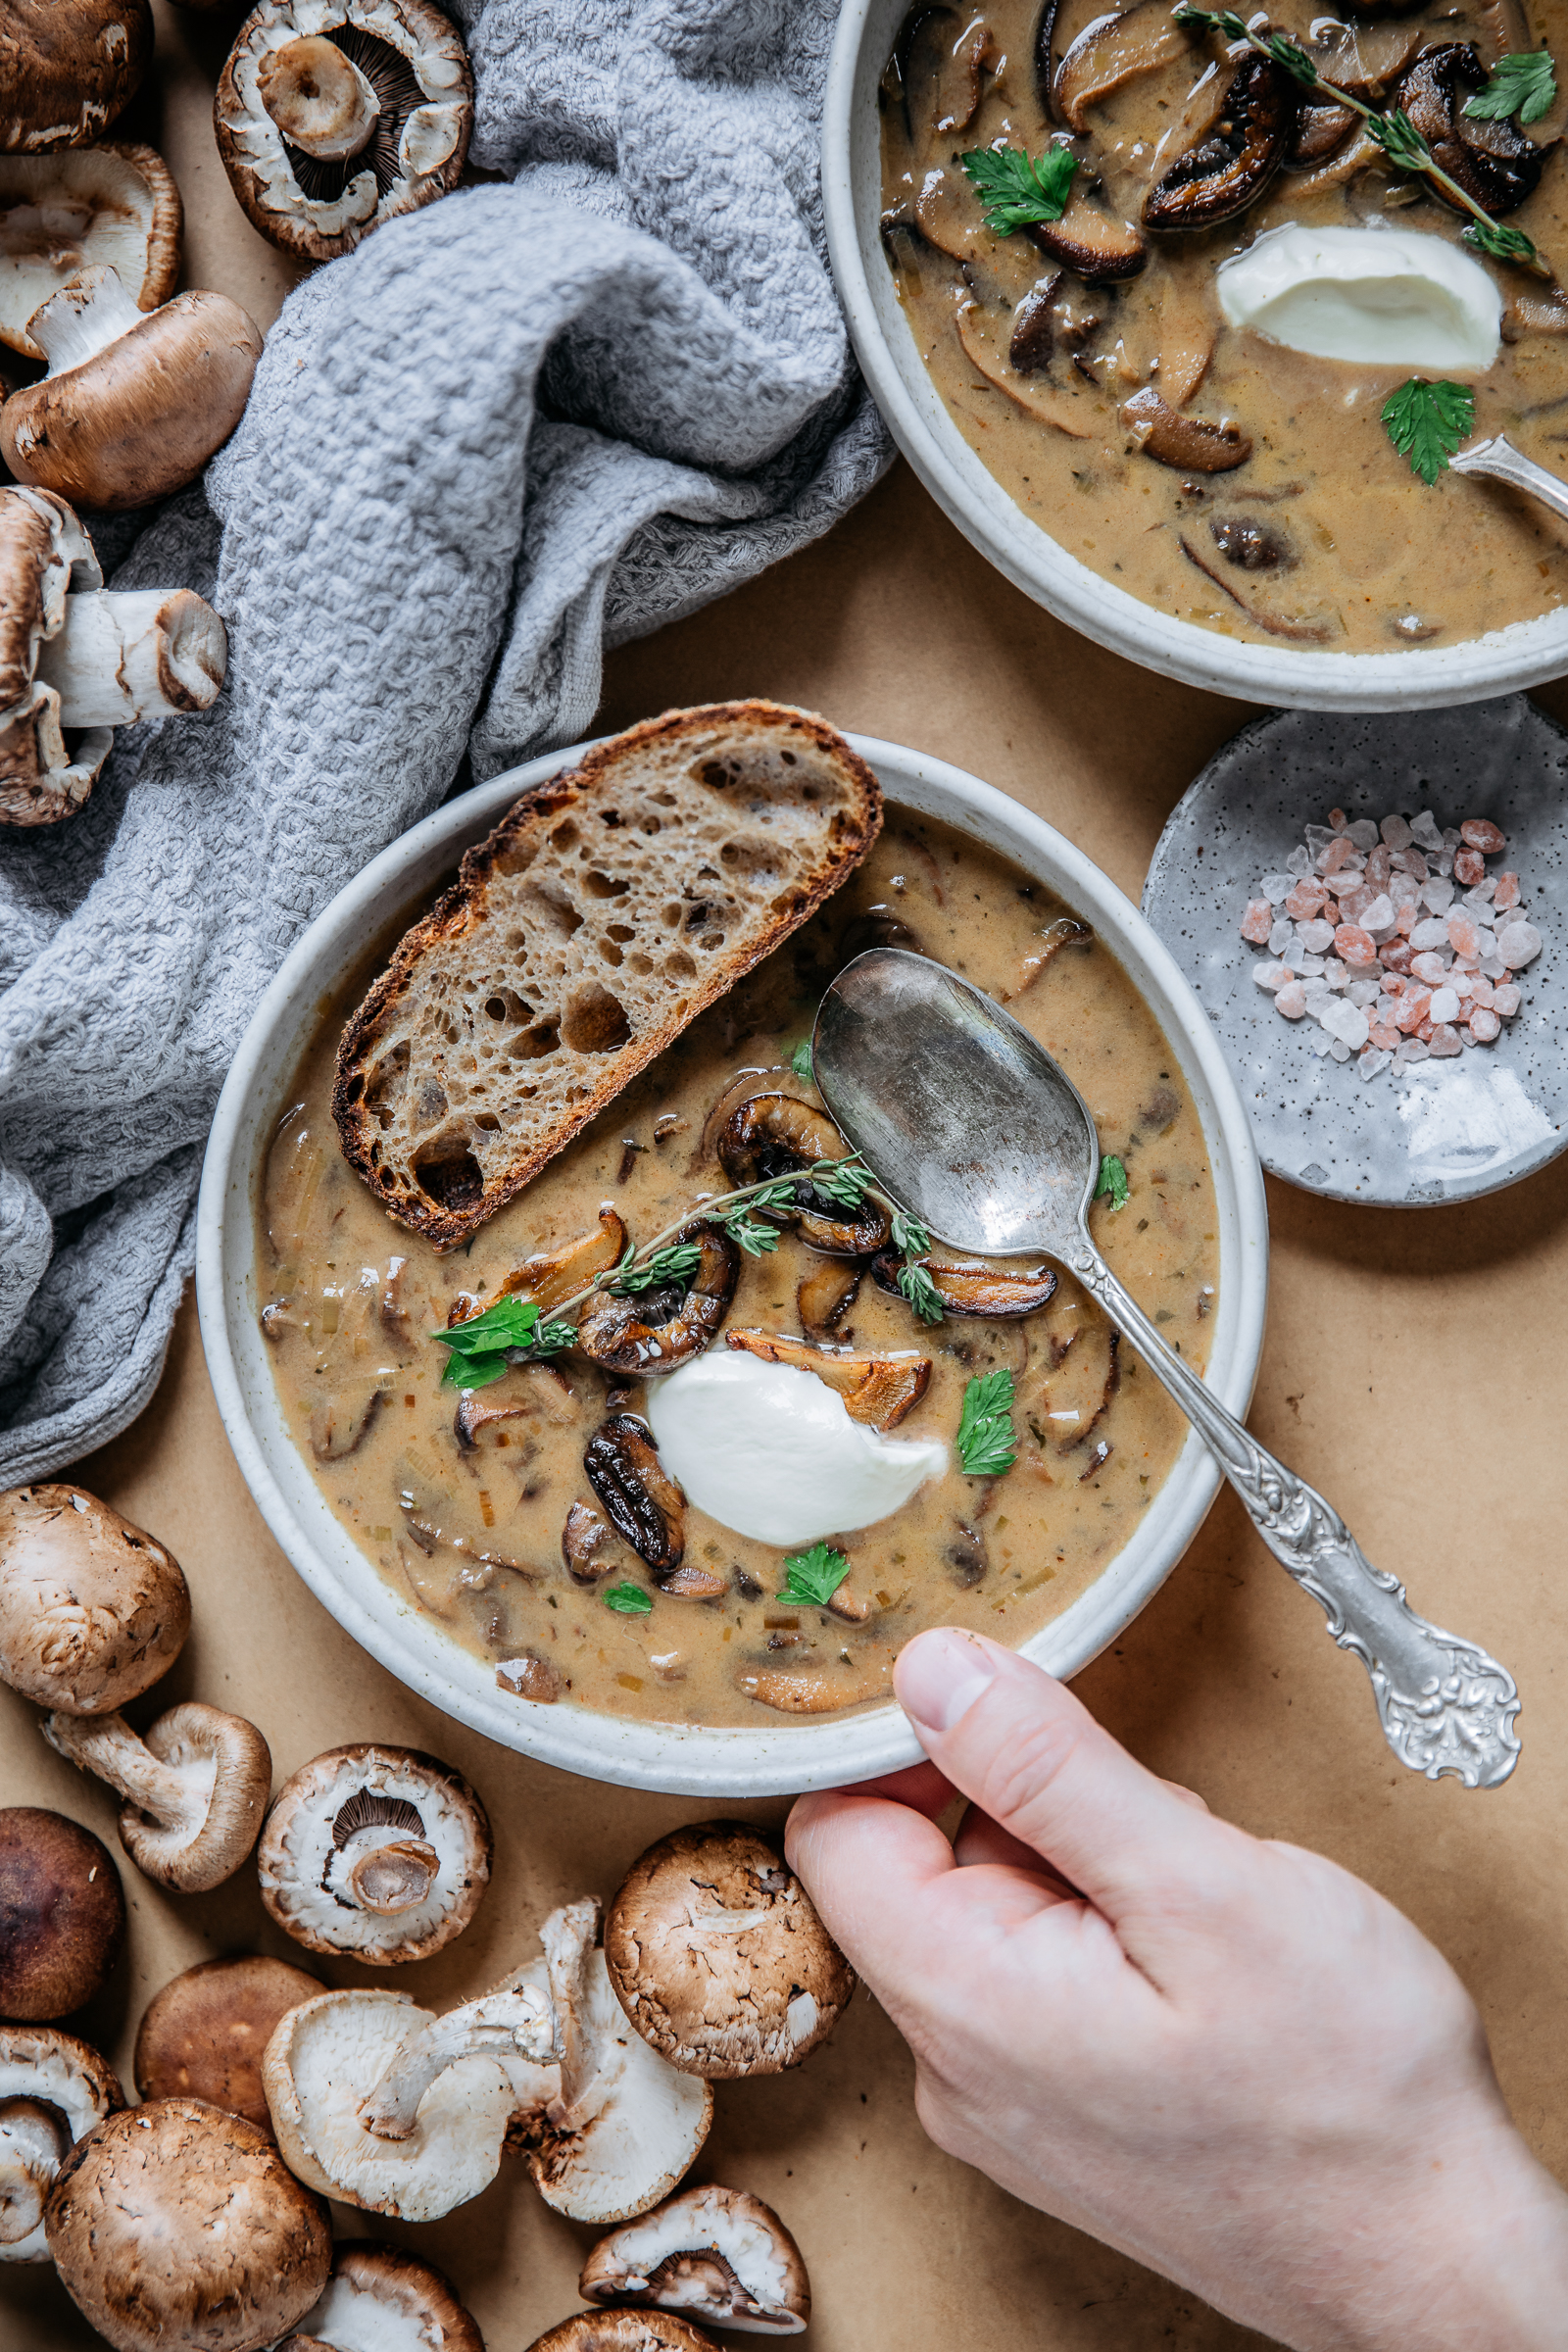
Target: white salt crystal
[
  {"x": 1518, "y": 944},
  {"x": 1319, "y": 1041},
  {"x": 1480, "y": 895},
  {"x": 1445, "y": 1005},
  {"x": 1318, "y": 838},
  {"x": 1444, "y": 862},
  {"x": 1379, "y": 916},
  {"x": 1347, "y": 1023},
  {"x": 1364, "y": 993},
  {"x": 1374, "y": 1062},
  {"x": 1363, "y": 833},
  {"x": 1335, "y": 974},
  {"x": 1492, "y": 966},
  {"x": 1432, "y": 934},
  {"x": 1311, "y": 968},
  {"x": 1395, "y": 832},
  {"x": 1282, "y": 935},
  {"x": 1339, "y": 1051},
  {"x": 1437, "y": 894},
  {"x": 1424, "y": 831},
  {"x": 1299, "y": 863},
  {"x": 1403, "y": 890},
  {"x": 1275, "y": 887},
  {"x": 1272, "y": 975},
  {"x": 1451, "y": 838},
  {"x": 1316, "y": 937}
]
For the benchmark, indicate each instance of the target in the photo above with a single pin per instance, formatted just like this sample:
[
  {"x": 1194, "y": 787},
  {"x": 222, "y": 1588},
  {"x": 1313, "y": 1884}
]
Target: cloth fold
[{"x": 533, "y": 420}]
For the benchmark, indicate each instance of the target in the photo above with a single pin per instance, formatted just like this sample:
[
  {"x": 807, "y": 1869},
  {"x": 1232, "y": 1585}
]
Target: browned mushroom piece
[
  {"x": 62, "y": 1913},
  {"x": 776, "y": 1135},
  {"x": 1091, "y": 242},
  {"x": 135, "y": 402},
  {"x": 1305, "y": 630},
  {"x": 53, "y": 2090},
  {"x": 322, "y": 151},
  {"x": 174, "y": 2223},
  {"x": 718, "y": 2253},
  {"x": 1111, "y": 51},
  {"x": 203, "y": 2036},
  {"x": 652, "y": 1331},
  {"x": 1190, "y": 444},
  {"x": 878, "y": 1389},
  {"x": 1251, "y": 545},
  {"x": 1321, "y": 125},
  {"x": 67, "y": 68},
  {"x": 1078, "y": 1391},
  {"x": 195, "y": 1787},
  {"x": 378, "y": 2295},
  {"x": 1231, "y": 165},
  {"x": 936, "y": 69},
  {"x": 814, "y": 1690},
  {"x": 972, "y": 1287},
  {"x": 1492, "y": 160},
  {"x": 825, "y": 1293},
  {"x": 1034, "y": 328},
  {"x": 1064, "y": 932},
  {"x": 381, "y": 1852},
  {"x": 340, "y": 1422},
  {"x": 85, "y": 207},
  {"x": 625, "y": 2332},
  {"x": 718, "y": 1955},
  {"x": 988, "y": 344},
  {"x": 551, "y": 1275},
  {"x": 641, "y": 1501},
  {"x": 529, "y": 1676},
  {"x": 586, "y": 1543},
  {"x": 535, "y": 1391},
  {"x": 92, "y": 1609}
]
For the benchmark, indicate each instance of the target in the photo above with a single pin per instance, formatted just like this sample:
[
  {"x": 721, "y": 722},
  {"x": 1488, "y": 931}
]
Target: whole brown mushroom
[
  {"x": 627, "y": 2331},
  {"x": 174, "y": 2224},
  {"x": 718, "y": 2253},
  {"x": 66, "y": 69},
  {"x": 204, "y": 2034},
  {"x": 115, "y": 207},
  {"x": 380, "y": 2295},
  {"x": 53, "y": 2089},
  {"x": 718, "y": 1957},
  {"x": 92, "y": 1609},
  {"x": 195, "y": 1788},
  {"x": 380, "y": 1852},
  {"x": 62, "y": 1913}
]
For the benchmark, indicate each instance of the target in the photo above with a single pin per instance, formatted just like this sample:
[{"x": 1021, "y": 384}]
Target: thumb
[{"x": 1033, "y": 1758}]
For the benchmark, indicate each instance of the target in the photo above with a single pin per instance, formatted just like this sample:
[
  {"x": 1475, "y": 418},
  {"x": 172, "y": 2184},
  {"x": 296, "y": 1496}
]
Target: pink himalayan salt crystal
[
  {"x": 1484, "y": 1024},
  {"x": 1445, "y": 1039},
  {"x": 1480, "y": 833},
  {"x": 1393, "y": 982},
  {"x": 1338, "y": 819},
  {"x": 1339, "y": 853},
  {"x": 1354, "y": 903},
  {"x": 1354, "y": 945},
  {"x": 1258, "y": 922},
  {"x": 1469, "y": 867},
  {"x": 1383, "y": 1035},
  {"x": 1290, "y": 999},
  {"x": 1506, "y": 893},
  {"x": 1395, "y": 955},
  {"x": 1304, "y": 901},
  {"x": 1464, "y": 933},
  {"x": 1380, "y": 867},
  {"x": 1404, "y": 920},
  {"x": 1348, "y": 878},
  {"x": 1518, "y": 944},
  {"x": 1429, "y": 967},
  {"x": 1506, "y": 999},
  {"x": 1411, "y": 1013},
  {"x": 1480, "y": 988}
]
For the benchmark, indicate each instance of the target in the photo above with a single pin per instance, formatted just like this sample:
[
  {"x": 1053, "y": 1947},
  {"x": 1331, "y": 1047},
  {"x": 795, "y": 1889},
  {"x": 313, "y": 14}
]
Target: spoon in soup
[
  {"x": 1506, "y": 463},
  {"x": 969, "y": 1123}
]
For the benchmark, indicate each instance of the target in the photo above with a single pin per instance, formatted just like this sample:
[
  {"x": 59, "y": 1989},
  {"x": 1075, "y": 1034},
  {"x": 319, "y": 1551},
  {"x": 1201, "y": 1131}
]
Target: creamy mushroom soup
[
  {"x": 479, "y": 1511},
  {"x": 1148, "y": 406}
]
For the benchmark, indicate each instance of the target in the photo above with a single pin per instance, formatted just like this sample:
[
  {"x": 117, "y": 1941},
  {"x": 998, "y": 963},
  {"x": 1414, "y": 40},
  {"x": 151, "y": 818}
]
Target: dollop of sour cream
[
  {"x": 768, "y": 1450},
  {"x": 1387, "y": 297}
]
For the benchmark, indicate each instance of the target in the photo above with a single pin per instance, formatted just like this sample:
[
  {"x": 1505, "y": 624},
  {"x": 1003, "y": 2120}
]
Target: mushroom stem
[
  {"x": 319, "y": 100},
  {"x": 82, "y": 319},
  {"x": 515, "y": 2021},
  {"x": 106, "y": 1746},
  {"x": 146, "y": 654},
  {"x": 568, "y": 1937}
]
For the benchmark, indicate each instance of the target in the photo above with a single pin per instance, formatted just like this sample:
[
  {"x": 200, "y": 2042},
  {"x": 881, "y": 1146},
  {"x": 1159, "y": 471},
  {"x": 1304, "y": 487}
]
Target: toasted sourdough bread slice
[{"x": 609, "y": 909}]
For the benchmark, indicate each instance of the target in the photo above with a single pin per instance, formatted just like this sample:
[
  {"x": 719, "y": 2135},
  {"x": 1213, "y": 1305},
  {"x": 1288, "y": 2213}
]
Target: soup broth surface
[{"x": 470, "y": 1535}]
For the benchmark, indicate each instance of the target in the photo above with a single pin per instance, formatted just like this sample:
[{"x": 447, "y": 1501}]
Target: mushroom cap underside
[
  {"x": 66, "y": 69},
  {"x": 379, "y": 2299},
  {"x": 62, "y": 1913},
  {"x": 53, "y": 2089},
  {"x": 115, "y": 206},
  {"x": 229, "y": 1767},
  {"x": 203, "y": 2034},
  {"x": 174, "y": 2224},
  {"x": 719, "y": 2254},
  {"x": 44, "y": 554},
  {"x": 92, "y": 1609},
  {"x": 717, "y": 1954}
]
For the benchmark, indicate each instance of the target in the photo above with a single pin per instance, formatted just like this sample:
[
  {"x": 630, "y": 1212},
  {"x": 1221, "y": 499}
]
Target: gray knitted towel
[{"x": 531, "y": 421}]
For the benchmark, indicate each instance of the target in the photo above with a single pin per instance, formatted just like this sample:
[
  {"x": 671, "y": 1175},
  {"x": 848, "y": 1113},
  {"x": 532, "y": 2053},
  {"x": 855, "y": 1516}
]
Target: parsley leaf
[
  {"x": 1426, "y": 422},
  {"x": 478, "y": 1345},
  {"x": 1522, "y": 84},
  {"x": 811, "y": 1578},
  {"x": 910, "y": 1234},
  {"x": 1503, "y": 243},
  {"x": 673, "y": 1264},
  {"x": 986, "y": 1445},
  {"x": 916, "y": 1285},
  {"x": 474, "y": 1371},
  {"x": 800, "y": 1058},
  {"x": 629, "y": 1601},
  {"x": 1112, "y": 1185},
  {"x": 1014, "y": 190}
]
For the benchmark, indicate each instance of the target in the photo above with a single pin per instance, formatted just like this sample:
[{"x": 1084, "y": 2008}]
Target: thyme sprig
[{"x": 1389, "y": 127}]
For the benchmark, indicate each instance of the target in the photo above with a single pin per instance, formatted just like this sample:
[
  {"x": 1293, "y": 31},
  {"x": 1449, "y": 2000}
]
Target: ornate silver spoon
[
  {"x": 968, "y": 1122},
  {"x": 1506, "y": 463}
]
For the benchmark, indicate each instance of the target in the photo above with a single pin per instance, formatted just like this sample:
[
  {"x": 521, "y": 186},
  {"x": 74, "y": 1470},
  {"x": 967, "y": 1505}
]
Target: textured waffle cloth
[{"x": 535, "y": 418}]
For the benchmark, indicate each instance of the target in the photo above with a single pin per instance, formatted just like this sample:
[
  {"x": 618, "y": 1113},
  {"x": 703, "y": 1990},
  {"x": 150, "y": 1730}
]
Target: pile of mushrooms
[
  {"x": 94, "y": 1611},
  {"x": 77, "y": 659}
]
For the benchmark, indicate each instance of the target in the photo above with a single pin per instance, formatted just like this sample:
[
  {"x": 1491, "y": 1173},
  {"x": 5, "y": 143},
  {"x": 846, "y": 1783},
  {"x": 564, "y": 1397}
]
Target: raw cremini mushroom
[
  {"x": 379, "y": 2299},
  {"x": 712, "y": 2253},
  {"x": 717, "y": 1954},
  {"x": 67, "y": 67},
  {"x": 335, "y": 116},
  {"x": 379, "y": 1851},
  {"x": 625, "y": 2332},
  {"x": 77, "y": 659},
  {"x": 195, "y": 1788},
  {"x": 62, "y": 1913},
  {"x": 204, "y": 2034},
  {"x": 174, "y": 2224},
  {"x": 53, "y": 2089},
  {"x": 92, "y": 1609},
  {"x": 115, "y": 207},
  {"x": 134, "y": 401}
]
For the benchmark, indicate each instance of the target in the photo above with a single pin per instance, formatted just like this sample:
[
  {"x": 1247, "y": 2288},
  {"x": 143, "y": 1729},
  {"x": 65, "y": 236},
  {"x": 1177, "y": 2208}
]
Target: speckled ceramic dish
[
  {"x": 1445, "y": 1130},
  {"x": 775, "y": 1755}
]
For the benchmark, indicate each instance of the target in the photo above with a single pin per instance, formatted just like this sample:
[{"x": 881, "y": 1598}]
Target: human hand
[{"x": 1222, "y": 2055}]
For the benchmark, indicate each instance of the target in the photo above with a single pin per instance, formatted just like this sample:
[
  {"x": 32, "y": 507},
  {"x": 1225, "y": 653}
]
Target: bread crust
[{"x": 464, "y": 913}]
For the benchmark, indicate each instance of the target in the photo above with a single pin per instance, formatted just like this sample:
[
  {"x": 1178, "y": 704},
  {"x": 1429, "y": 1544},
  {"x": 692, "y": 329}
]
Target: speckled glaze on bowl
[
  {"x": 775, "y": 1756},
  {"x": 1422, "y": 678}
]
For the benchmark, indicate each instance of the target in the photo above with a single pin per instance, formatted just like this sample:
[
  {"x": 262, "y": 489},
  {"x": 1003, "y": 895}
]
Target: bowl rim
[
  {"x": 1472, "y": 670},
  {"x": 772, "y": 1758}
]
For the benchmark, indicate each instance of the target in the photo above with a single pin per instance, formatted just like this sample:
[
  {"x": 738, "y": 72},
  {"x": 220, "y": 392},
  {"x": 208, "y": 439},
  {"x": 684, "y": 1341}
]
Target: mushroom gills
[
  {"x": 115, "y": 206},
  {"x": 716, "y": 2253},
  {"x": 379, "y": 2299},
  {"x": 53, "y": 2090},
  {"x": 33, "y": 2138},
  {"x": 195, "y": 1789},
  {"x": 381, "y": 1852}
]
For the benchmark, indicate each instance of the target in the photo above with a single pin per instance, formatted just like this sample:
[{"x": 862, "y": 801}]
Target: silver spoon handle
[
  {"x": 1506, "y": 463},
  {"x": 1444, "y": 1705}
]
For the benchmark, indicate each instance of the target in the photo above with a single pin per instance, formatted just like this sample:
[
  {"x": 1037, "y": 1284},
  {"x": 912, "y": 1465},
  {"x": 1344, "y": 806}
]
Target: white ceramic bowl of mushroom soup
[
  {"x": 1420, "y": 678},
  {"x": 777, "y": 1754}
]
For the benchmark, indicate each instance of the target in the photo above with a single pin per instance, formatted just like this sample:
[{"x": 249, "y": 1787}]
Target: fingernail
[{"x": 940, "y": 1677}]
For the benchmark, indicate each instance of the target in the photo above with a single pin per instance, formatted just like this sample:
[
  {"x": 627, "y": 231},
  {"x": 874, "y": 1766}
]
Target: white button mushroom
[
  {"x": 378, "y": 1851},
  {"x": 195, "y": 1789},
  {"x": 77, "y": 660},
  {"x": 718, "y": 1956},
  {"x": 67, "y": 67},
  {"x": 85, "y": 208},
  {"x": 134, "y": 401},
  {"x": 92, "y": 1610},
  {"x": 53, "y": 2089},
  {"x": 379, "y": 2299},
  {"x": 716, "y": 2253}
]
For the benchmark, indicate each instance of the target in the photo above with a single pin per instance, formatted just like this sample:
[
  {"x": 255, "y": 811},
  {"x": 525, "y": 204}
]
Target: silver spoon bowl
[{"x": 969, "y": 1123}]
